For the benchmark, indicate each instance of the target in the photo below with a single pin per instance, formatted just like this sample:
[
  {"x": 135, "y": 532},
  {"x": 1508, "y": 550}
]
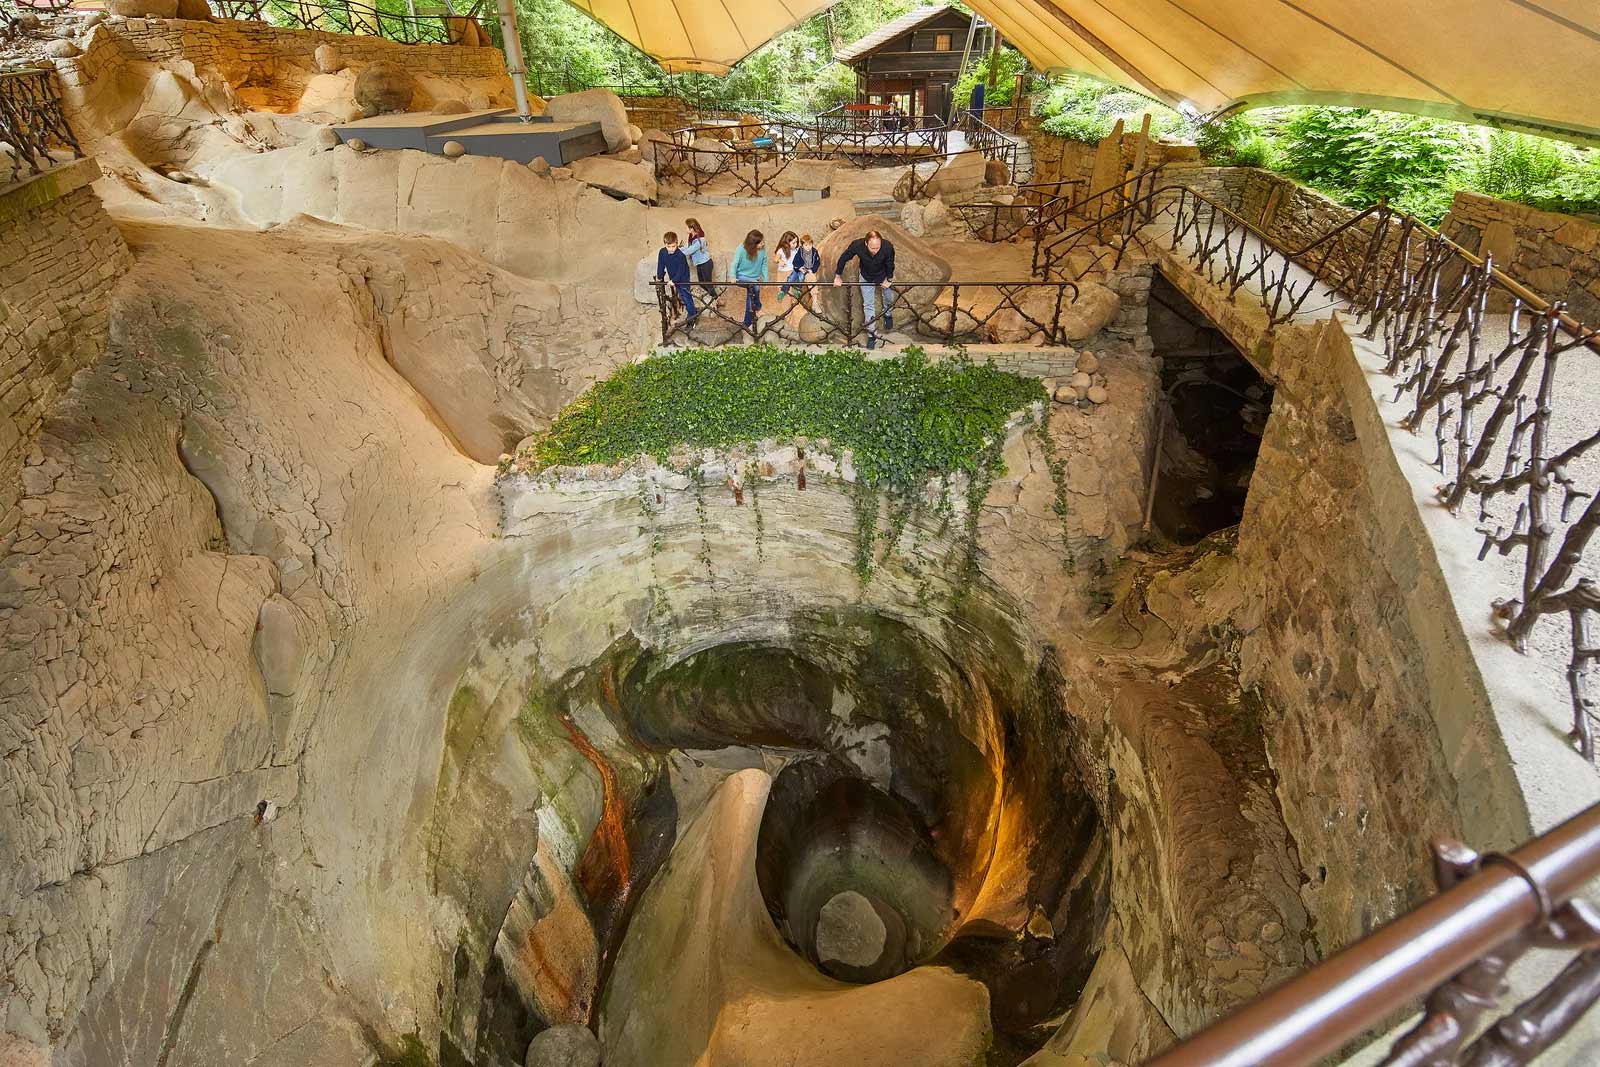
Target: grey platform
[{"x": 497, "y": 132}]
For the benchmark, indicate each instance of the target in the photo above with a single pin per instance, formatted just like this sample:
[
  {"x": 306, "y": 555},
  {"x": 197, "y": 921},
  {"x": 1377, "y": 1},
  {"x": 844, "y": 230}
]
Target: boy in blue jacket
[{"x": 673, "y": 265}]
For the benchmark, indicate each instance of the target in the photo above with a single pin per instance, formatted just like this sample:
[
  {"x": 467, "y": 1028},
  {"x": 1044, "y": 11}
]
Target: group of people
[{"x": 798, "y": 260}]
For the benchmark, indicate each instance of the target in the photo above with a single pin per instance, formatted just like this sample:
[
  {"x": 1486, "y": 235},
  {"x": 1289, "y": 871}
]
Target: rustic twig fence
[
  {"x": 32, "y": 123},
  {"x": 353, "y": 17},
  {"x": 1478, "y": 358}
]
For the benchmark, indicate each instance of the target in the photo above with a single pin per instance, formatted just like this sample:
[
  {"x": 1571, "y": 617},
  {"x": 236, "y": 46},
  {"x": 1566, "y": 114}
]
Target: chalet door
[{"x": 938, "y": 100}]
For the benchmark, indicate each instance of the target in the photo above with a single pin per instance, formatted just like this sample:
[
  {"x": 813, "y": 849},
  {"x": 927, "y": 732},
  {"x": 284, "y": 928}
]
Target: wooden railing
[
  {"x": 32, "y": 122},
  {"x": 353, "y": 17}
]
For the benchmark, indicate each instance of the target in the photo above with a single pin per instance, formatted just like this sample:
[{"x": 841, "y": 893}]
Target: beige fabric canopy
[
  {"x": 1529, "y": 64},
  {"x": 700, "y": 35}
]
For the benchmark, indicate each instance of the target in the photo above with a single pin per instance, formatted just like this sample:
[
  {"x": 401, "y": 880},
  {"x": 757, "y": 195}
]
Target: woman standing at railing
[
  {"x": 699, "y": 253},
  {"x": 750, "y": 271},
  {"x": 784, "y": 254}
]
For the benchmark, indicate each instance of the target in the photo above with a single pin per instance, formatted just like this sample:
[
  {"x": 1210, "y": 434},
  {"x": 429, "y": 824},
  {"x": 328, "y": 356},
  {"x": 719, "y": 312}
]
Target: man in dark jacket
[
  {"x": 673, "y": 265},
  {"x": 877, "y": 270}
]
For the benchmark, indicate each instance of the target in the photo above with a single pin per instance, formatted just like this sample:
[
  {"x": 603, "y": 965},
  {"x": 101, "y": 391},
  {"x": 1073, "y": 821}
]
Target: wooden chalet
[{"x": 913, "y": 61}]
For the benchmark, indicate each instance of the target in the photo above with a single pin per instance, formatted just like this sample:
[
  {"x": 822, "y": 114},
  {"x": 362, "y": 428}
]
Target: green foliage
[
  {"x": 1086, "y": 109},
  {"x": 1359, "y": 157},
  {"x": 1235, "y": 140},
  {"x": 905, "y": 419},
  {"x": 1009, "y": 64},
  {"x": 792, "y": 73},
  {"x": 1533, "y": 170}
]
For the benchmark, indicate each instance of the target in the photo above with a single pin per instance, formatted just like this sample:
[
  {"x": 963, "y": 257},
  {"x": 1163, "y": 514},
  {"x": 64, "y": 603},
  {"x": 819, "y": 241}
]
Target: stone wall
[
  {"x": 1557, "y": 256},
  {"x": 1377, "y": 723},
  {"x": 266, "y": 67},
  {"x": 60, "y": 255}
]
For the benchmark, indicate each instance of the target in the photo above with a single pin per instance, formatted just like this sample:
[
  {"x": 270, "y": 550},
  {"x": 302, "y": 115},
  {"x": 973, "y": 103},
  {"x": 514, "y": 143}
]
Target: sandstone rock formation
[
  {"x": 915, "y": 262},
  {"x": 961, "y": 173},
  {"x": 384, "y": 87},
  {"x": 617, "y": 177},
  {"x": 594, "y": 105}
]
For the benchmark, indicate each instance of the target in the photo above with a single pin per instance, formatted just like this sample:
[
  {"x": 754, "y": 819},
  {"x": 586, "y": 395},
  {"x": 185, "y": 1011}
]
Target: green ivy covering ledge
[{"x": 904, "y": 420}]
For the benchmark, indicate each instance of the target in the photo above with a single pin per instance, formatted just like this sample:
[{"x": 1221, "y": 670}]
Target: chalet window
[{"x": 942, "y": 42}]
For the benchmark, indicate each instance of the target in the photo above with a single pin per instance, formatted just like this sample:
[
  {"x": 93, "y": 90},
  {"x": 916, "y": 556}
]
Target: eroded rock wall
[{"x": 60, "y": 256}]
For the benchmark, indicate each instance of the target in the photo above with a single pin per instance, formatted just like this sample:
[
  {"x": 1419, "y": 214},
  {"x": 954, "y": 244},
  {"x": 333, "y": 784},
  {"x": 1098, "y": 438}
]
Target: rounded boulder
[
  {"x": 384, "y": 87},
  {"x": 566, "y": 1045},
  {"x": 594, "y": 105}
]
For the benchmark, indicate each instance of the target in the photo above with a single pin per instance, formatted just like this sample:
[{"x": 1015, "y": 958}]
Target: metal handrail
[
  {"x": 32, "y": 121},
  {"x": 1456, "y": 946}
]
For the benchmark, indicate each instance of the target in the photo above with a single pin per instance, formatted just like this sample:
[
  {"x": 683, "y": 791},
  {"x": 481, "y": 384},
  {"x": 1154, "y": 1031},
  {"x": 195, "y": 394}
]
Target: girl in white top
[{"x": 785, "y": 257}]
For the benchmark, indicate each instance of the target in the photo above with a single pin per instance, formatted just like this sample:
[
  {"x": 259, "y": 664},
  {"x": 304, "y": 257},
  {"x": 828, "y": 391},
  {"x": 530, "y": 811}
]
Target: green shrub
[
  {"x": 1009, "y": 65},
  {"x": 1086, "y": 109},
  {"x": 1085, "y": 126},
  {"x": 1360, "y": 157},
  {"x": 905, "y": 419}
]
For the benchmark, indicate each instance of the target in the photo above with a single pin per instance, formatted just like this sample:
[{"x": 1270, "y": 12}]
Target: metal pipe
[
  {"x": 1318, "y": 1011},
  {"x": 513, "y": 47}
]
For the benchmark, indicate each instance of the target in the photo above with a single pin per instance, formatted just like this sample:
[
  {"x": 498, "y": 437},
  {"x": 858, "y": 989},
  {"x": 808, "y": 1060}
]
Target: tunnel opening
[{"x": 1217, "y": 409}]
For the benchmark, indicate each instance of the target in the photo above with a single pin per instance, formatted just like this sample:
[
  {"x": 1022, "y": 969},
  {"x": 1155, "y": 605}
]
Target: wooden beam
[{"x": 1088, "y": 37}]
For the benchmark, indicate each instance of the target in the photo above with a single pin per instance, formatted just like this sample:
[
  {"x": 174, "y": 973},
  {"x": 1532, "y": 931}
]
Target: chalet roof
[
  {"x": 1526, "y": 64},
  {"x": 889, "y": 31}
]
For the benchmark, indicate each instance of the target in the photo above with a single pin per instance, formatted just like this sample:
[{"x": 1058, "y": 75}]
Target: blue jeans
[
  {"x": 687, "y": 297},
  {"x": 752, "y": 301},
  {"x": 795, "y": 278},
  {"x": 869, "y": 306}
]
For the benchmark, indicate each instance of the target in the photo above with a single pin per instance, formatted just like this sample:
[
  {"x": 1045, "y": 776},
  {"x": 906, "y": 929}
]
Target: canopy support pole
[{"x": 514, "y": 65}]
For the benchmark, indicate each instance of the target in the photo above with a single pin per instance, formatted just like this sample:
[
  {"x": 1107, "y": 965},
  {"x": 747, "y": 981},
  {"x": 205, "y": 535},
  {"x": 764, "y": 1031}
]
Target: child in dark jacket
[{"x": 673, "y": 266}]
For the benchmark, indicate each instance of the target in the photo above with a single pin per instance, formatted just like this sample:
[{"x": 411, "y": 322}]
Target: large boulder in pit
[
  {"x": 384, "y": 87},
  {"x": 1092, "y": 312},
  {"x": 914, "y": 261},
  {"x": 566, "y": 1045},
  {"x": 594, "y": 105},
  {"x": 194, "y": 10},
  {"x": 635, "y": 181},
  {"x": 961, "y": 173}
]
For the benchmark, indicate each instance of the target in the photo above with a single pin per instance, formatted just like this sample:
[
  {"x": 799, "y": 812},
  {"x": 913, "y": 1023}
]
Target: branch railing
[
  {"x": 32, "y": 122},
  {"x": 349, "y": 16},
  {"x": 753, "y": 169},
  {"x": 1510, "y": 411},
  {"x": 956, "y": 312},
  {"x": 1455, "y": 949},
  {"x": 1108, "y": 215},
  {"x": 1036, "y": 211},
  {"x": 986, "y": 138}
]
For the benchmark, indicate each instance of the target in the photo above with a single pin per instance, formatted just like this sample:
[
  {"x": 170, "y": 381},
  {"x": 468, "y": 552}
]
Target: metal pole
[{"x": 514, "y": 67}]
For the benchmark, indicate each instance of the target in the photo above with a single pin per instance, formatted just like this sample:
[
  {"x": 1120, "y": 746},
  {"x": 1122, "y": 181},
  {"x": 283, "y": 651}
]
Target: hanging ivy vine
[
  {"x": 1058, "y": 477},
  {"x": 905, "y": 420}
]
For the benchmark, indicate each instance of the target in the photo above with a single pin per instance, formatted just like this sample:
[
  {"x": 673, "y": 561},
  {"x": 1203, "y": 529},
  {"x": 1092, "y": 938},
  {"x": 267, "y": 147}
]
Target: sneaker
[
  {"x": 872, "y": 341},
  {"x": 888, "y": 322}
]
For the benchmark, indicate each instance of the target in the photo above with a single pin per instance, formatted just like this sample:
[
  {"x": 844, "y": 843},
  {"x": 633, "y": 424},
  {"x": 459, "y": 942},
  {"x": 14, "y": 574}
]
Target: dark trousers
[{"x": 752, "y": 302}]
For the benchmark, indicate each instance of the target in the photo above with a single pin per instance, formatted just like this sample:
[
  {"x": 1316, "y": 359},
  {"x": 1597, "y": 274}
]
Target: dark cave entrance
[{"x": 1218, "y": 404}]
